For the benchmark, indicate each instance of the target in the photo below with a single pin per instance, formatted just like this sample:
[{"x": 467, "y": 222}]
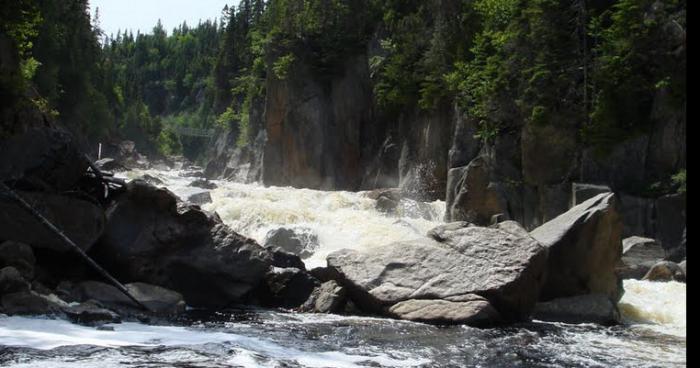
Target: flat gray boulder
[
  {"x": 585, "y": 246},
  {"x": 502, "y": 264},
  {"x": 475, "y": 312}
]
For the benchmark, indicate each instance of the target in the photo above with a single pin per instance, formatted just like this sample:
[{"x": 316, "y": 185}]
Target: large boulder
[
  {"x": 585, "y": 247},
  {"x": 300, "y": 241},
  {"x": 81, "y": 220},
  {"x": 638, "y": 256},
  {"x": 502, "y": 264},
  {"x": 288, "y": 287},
  {"x": 153, "y": 237},
  {"x": 42, "y": 157}
]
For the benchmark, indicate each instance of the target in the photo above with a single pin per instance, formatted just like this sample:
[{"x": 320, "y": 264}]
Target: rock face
[
  {"x": 592, "y": 308},
  {"x": 502, "y": 264},
  {"x": 585, "y": 246},
  {"x": 638, "y": 256},
  {"x": 313, "y": 126},
  {"x": 82, "y": 221},
  {"x": 476, "y": 197},
  {"x": 152, "y": 237}
]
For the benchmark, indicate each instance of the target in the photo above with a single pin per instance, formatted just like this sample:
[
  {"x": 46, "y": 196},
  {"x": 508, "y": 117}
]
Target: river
[{"x": 653, "y": 333}]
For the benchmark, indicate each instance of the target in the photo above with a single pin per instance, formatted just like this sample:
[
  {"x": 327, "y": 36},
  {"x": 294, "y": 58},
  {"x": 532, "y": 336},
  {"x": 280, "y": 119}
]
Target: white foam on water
[
  {"x": 660, "y": 306},
  {"x": 340, "y": 219},
  {"x": 46, "y": 334}
]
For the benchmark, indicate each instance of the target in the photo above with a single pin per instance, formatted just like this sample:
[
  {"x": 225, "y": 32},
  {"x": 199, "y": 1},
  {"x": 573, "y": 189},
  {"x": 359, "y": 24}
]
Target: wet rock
[
  {"x": 502, "y": 263},
  {"x": 581, "y": 192},
  {"x": 585, "y": 247},
  {"x": 19, "y": 256},
  {"x": 283, "y": 259},
  {"x": 150, "y": 179},
  {"x": 300, "y": 241},
  {"x": 474, "y": 311},
  {"x": 591, "y": 308},
  {"x": 200, "y": 198},
  {"x": 157, "y": 299},
  {"x": 330, "y": 297},
  {"x": 289, "y": 287},
  {"x": 203, "y": 183},
  {"x": 11, "y": 281},
  {"x": 152, "y": 237},
  {"x": 31, "y": 303},
  {"x": 665, "y": 271},
  {"x": 324, "y": 274},
  {"x": 82, "y": 221},
  {"x": 683, "y": 267},
  {"x": 91, "y": 314},
  {"x": 109, "y": 164},
  {"x": 638, "y": 256}
]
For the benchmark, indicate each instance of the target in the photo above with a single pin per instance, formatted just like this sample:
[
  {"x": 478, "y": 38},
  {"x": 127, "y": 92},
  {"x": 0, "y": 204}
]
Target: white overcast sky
[{"x": 143, "y": 14}]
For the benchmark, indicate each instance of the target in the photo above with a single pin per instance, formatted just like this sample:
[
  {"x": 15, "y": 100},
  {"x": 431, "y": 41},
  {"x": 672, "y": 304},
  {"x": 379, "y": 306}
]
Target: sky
[{"x": 144, "y": 14}]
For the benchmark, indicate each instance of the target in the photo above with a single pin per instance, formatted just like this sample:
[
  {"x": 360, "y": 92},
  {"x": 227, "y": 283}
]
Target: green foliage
[
  {"x": 679, "y": 180},
  {"x": 282, "y": 66}
]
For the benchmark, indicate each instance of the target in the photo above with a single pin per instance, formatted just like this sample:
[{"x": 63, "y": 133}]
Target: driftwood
[{"x": 12, "y": 195}]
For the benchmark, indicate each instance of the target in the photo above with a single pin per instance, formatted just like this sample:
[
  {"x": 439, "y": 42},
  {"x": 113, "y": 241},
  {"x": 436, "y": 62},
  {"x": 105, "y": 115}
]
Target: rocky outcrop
[
  {"x": 153, "y": 237},
  {"x": 585, "y": 246},
  {"x": 502, "y": 264},
  {"x": 81, "y": 220}
]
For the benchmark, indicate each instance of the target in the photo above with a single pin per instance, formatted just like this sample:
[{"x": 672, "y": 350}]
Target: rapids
[{"x": 653, "y": 333}]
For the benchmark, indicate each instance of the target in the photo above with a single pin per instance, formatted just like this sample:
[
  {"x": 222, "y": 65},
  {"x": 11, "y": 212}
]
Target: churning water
[{"x": 654, "y": 333}]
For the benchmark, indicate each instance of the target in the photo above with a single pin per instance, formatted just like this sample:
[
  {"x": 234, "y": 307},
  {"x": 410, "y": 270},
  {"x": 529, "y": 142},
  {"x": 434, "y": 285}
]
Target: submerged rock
[
  {"x": 503, "y": 264},
  {"x": 153, "y": 237},
  {"x": 200, "y": 198},
  {"x": 157, "y": 299},
  {"x": 91, "y": 314},
  {"x": 585, "y": 247},
  {"x": 203, "y": 183}
]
